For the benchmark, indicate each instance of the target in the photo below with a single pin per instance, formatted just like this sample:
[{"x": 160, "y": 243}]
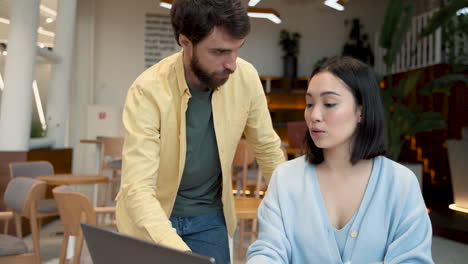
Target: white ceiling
[{"x": 5, "y": 6}]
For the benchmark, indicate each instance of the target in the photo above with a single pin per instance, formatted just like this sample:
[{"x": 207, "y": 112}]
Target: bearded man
[{"x": 184, "y": 117}]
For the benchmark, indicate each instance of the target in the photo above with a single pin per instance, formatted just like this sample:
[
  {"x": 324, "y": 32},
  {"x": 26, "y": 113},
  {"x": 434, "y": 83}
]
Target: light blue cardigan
[{"x": 391, "y": 224}]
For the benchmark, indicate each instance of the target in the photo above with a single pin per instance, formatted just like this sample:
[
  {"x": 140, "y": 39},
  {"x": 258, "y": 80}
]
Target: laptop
[{"x": 107, "y": 246}]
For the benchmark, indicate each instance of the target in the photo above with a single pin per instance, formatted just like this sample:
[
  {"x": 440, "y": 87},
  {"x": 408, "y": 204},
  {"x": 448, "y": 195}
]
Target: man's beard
[{"x": 209, "y": 80}]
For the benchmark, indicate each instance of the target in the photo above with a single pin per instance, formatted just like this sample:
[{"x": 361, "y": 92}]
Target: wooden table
[
  {"x": 246, "y": 207},
  {"x": 73, "y": 179}
]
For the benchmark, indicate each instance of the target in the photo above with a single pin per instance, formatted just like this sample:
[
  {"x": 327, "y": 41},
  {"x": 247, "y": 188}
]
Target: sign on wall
[{"x": 159, "y": 38}]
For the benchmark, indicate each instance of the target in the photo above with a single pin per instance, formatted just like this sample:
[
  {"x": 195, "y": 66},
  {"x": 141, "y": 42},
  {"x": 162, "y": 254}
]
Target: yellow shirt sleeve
[{"x": 139, "y": 212}]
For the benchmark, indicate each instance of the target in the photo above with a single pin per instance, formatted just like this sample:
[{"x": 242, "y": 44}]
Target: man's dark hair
[
  {"x": 195, "y": 19},
  {"x": 369, "y": 137}
]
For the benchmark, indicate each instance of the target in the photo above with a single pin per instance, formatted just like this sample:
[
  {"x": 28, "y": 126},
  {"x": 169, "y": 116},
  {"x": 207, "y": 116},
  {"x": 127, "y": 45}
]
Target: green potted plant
[
  {"x": 358, "y": 45},
  {"x": 289, "y": 43},
  {"x": 402, "y": 118}
]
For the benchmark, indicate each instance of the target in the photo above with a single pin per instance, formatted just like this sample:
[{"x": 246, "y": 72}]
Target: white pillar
[
  {"x": 59, "y": 92},
  {"x": 16, "y": 108}
]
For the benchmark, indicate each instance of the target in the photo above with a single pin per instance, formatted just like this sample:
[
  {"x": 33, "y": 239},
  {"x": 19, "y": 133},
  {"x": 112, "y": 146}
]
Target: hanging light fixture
[
  {"x": 253, "y": 2},
  {"x": 267, "y": 13},
  {"x": 336, "y": 4}
]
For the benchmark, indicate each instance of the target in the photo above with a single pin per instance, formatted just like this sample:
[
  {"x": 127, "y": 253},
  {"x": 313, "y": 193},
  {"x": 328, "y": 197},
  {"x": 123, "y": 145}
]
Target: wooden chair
[
  {"x": 74, "y": 208},
  {"x": 111, "y": 160},
  {"x": 33, "y": 169},
  {"x": 246, "y": 207},
  {"x": 21, "y": 198},
  {"x": 244, "y": 158}
]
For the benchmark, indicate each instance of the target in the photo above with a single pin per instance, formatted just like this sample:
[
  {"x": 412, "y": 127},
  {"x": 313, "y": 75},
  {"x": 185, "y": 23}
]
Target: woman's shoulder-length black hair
[{"x": 369, "y": 137}]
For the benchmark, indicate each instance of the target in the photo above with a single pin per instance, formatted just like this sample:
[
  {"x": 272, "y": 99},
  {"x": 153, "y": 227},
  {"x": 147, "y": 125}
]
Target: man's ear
[{"x": 184, "y": 41}]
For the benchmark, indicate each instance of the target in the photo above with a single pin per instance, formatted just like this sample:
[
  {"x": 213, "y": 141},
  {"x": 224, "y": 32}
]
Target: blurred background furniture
[
  {"x": 75, "y": 207},
  {"x": 34, "y": 169},
  {"x": 22, "y": 197},
  {"x": 296, "y": 133},
  {"x": 75, "y": 179},
  {"x": 458, "y": 162},
  {"x": 109, "y": 159}
]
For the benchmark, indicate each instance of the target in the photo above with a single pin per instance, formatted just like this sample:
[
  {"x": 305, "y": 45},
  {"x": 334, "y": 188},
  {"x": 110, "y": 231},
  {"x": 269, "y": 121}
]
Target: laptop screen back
[{"x": 112, "y": 247}]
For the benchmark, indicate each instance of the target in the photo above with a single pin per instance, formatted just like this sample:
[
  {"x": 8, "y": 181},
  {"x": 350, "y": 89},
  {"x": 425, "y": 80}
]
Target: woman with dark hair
[{"x": 343, "y": 202}]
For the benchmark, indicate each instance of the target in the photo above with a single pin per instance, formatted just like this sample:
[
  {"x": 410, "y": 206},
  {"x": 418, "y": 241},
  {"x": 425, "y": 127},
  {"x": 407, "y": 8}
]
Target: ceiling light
[
  {"x": 253, "y": 2},
  {"x": 40, "y": 109},
  {"x": 166, "y": 4},
  {"x": 458, "y": 208},
  {"x": 48, "y": 11},
  {"x": 334, "y": 4},
  {"x": 2, "y": 84},
  {"x": 267, "y": 13},
  {"x": 44, "y": 32},
  {"x": 49, "y": 20},
  {"x": 4, "y": 21}
]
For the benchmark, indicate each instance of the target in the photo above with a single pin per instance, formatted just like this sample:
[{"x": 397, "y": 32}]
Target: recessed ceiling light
[
  {"x": 49, "y": 20},
  {"x": 267, "y": 13}
]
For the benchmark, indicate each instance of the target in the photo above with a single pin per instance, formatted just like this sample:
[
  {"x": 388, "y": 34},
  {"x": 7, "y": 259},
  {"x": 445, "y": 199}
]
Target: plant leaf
[
  {"x": 399, "y": 35},
  {"x": 407, "y": 84},
  {"x": 443, "y": 16},
  {"x": 426, "y": 122},
  {"x": 442, "y": 84},
  {"x": 392, "y": 17}
]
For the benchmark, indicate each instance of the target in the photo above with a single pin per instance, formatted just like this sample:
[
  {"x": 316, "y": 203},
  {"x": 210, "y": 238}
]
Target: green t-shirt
[{"x": 200, "y": 188}]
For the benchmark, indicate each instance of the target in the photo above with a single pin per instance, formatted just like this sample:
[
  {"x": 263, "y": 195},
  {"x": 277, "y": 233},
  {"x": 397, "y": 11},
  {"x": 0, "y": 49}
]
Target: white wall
[
  {"x": 322, "y": 29},
  {"x": 119, "y": 42}
]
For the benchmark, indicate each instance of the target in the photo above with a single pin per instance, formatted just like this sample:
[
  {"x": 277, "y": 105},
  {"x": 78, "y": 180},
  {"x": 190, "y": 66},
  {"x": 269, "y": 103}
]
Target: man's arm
[{"x": 141, "y": 118}]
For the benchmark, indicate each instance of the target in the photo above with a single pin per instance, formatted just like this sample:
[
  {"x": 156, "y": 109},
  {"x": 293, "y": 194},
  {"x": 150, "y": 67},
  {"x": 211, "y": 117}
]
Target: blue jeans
[{"x": 205, "y": 235}]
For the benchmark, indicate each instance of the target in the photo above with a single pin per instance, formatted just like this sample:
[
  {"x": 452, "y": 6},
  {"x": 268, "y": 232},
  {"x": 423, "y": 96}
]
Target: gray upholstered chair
[
  {"x": 22, "y": 196},
  {"x": 75, "y": 207},
  {"x": 32, "y": 169}
]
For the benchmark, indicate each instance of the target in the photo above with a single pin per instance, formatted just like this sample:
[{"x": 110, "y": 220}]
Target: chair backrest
[
  {"x": 243, "y": 158},
  {"x": 74, "y": 207},
  {"x": 111, "y": 146},
  {"x": 31, "y": 169},
  {"x": 22, "y": 195},
  {"x": 296, "y": 132}
]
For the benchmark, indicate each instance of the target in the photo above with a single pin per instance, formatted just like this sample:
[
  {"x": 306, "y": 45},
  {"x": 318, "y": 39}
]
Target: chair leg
[
  {"x": 108, "y": 191},
  {"x": 240, "y": 250},
  {"x": 78, "y": 249},
  {"x": 5, "y": 226},
  {"x": 35, "y": 239},
  {"x": 63, "y": 249},
  {"x": 253, "y": 234},
  {"x": 19, "y": 231},
  {"x": 39, "y": 223}
]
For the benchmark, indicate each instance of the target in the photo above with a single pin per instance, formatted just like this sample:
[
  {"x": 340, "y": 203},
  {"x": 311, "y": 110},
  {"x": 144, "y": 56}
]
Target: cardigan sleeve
[
  {"x": 272, "y": 245},
  {"x": 411, "y": 242}
]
